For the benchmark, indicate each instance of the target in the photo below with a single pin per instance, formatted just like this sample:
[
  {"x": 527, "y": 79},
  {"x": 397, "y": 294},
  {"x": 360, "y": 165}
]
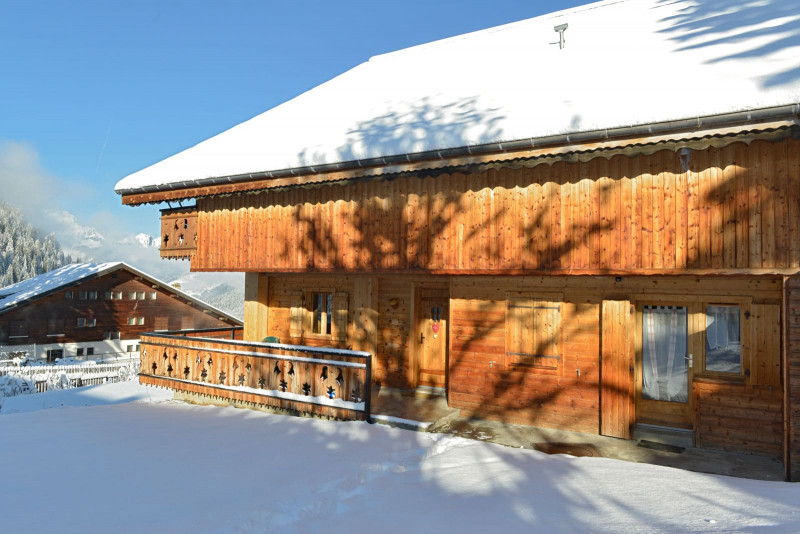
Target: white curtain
[
  {"x": 723, "y": 339},
  {"x": 664, "y": 337}
]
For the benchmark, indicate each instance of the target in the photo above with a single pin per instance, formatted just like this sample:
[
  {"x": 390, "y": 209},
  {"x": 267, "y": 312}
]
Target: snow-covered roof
[
  {"x": 39, "y": 286},
  {"x": 624, "y": 63}
]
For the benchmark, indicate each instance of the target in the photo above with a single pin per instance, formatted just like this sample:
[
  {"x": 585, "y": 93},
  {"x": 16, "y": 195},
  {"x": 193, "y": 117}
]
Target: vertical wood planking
[{"x": 735, "y": 208}]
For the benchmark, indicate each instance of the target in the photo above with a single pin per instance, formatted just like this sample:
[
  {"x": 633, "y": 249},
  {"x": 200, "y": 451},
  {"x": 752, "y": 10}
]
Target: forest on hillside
[{"x": 24, "y": 251}]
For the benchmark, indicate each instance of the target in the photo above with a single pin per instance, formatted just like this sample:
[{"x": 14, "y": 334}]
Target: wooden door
[
  {"x": 431, "y": 337},
  {"x": 664, "y": 364},
  {"x": 617, "y": 411}
]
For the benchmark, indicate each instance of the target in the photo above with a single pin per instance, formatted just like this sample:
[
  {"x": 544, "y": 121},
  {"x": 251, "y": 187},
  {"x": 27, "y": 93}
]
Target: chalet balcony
[
  {"x": 289, "y": 378},
  {"x": 179, "y": 232}
]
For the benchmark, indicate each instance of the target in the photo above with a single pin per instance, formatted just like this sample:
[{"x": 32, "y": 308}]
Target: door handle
[
  {"x": 421, "y": 338},
  {"x": 689, "y": 360}
]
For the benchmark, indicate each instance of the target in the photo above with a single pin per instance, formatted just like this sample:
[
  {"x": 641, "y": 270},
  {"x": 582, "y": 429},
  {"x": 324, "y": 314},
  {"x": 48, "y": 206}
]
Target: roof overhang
[{"x": 773, "y": 123}]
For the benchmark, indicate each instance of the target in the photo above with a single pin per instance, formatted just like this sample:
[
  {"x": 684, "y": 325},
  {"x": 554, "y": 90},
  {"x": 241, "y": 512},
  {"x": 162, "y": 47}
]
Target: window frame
[
  {"x": 744, "y": 338},
  {"x": 57, "y": 322},
  {"x": 512, "y": 358},
  {"x": 326, "y": 319},
  {"x": 21, "y": 330}
]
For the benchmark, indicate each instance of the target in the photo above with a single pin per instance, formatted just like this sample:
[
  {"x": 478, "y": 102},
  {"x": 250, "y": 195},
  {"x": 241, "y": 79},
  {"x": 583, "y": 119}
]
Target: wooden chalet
[
  {"x": 589, "y": 228},
  {"x": 96, "y": 311}
]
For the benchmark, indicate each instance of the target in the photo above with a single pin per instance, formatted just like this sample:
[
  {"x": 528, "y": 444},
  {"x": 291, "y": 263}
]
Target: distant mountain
[
  {"x": 143, "y": 240},
  {"x": 24, "y": 251},
  {"x": 147, "y": 241},
  {"x": 223, "y": 291}
]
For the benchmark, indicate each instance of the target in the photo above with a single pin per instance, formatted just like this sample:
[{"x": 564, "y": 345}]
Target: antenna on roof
[{"x": 561, "y": 28}]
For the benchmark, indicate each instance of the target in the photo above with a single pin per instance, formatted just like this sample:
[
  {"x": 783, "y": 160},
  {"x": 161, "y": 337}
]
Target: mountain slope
[{"x": 24, "y": 252}]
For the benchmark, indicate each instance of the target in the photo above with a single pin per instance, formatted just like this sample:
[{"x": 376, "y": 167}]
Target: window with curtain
[
  {"x": 723, "y": 339},
  {"x": 664, "y": 353},
  {"x": 322, "y": 309}
]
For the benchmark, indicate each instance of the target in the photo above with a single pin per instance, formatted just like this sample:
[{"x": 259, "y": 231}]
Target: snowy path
[{"x": 137, "y": 462}]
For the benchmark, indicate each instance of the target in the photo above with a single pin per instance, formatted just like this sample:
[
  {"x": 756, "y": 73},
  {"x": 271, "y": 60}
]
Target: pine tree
[{"x": 24, "y": 252}]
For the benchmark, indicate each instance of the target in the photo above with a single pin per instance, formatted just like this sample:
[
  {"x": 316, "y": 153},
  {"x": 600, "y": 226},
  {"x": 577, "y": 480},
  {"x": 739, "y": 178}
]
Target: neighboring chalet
[
  {"x": 96, "y": 311},
  {"x": 588, "y": 220}
]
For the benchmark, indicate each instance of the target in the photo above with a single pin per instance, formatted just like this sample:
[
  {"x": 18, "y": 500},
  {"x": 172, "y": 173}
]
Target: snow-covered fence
[{"x": 41, "y": 378}]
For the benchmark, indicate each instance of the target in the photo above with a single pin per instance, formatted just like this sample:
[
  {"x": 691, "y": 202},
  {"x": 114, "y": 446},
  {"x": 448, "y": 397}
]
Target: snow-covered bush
[{"x": 11, "y": 385}]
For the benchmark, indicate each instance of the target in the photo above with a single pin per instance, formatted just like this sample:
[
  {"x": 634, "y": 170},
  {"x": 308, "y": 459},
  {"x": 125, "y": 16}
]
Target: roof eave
[{"x": 173, "y": 191}]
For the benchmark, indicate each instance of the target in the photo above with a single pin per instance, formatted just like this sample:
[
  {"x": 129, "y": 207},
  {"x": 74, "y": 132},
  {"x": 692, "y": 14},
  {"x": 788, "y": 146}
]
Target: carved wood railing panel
[
  {"x": 293, "y": 378},
  {"x": 179, "y": 232}
]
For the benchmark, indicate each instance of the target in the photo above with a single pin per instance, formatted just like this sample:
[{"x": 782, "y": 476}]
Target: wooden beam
[{"x": 256, "y": 306}]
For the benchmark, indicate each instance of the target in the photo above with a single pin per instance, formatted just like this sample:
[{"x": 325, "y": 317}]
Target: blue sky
[{"x": 93, "y": 91}]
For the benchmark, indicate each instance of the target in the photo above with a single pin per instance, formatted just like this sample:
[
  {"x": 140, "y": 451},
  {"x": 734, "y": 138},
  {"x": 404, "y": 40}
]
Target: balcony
[
  {"x": 179, "y": 232},
  {"x": 293, "y": 379}
]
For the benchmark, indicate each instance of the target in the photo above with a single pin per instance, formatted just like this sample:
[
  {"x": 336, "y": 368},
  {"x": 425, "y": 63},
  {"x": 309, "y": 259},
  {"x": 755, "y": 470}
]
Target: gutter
[{"x": 789, "y": 111}]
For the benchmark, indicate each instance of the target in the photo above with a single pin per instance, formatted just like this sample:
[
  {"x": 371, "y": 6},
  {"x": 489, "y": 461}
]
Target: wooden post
[
  {"x": 617, "y": 415},
  {"x": 256, "y": 306},
  {"x": 791, "y": 377},
  {"x": 365, "y": 315}
]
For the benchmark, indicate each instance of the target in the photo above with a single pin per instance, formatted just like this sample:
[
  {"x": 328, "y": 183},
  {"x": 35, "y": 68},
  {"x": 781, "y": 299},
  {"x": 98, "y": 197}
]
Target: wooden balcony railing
[
  {"x": 292, "y": 378},
  {"x": 227, "y": 332},
  {"x": 179, "y": 232}
]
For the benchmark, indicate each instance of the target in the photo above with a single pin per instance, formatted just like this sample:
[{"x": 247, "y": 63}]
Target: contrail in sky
[{"x": 100, "y": 157}]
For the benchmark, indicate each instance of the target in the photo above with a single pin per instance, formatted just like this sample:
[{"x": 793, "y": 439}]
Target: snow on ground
[
  {"x": 122, "y": 392},
  {"x": 134, "y": 461}
]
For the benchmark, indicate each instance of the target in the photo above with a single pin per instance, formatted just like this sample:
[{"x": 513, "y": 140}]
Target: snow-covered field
[{"x": 125, "y": 458}]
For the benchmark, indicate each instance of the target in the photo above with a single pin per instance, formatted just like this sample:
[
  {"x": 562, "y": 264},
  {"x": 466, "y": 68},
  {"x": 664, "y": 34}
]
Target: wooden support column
[
  {"x": 256, "y": 306},
  {"x": 791, "y": 377},
  {"x": 617, "y": 414},
  {"x": 364, "y": 334}
]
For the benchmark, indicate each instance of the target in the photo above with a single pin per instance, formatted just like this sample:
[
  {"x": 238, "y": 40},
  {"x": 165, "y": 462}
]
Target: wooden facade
[
  {"x": 540, "y": 279},
  {"x": 729, "y": 208},
  {"x": 116, "y": 307}
]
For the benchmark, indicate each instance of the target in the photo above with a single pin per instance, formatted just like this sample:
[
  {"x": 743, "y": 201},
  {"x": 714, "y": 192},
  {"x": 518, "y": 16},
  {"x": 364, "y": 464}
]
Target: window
[
  {"x": 319, "y": 312},
  {"x": 140, "y": 321},
  {"x": 53, "y": 355},
  {"x": 17, "y": 329},
  {"x": 665, "y": 353},
  {"x": 140, "y": 295},
  {"x": 91, "y": 322},
  {"x": 131, "y": 321},
  {"x": 153, "y": 295},
  {"x": 109, "y": 295},
  {"x": 138, "y": 348},
  {"x": 533, "y": 326},
  {"x": 55, "y": 327},
  {"x": 79, "y": 352},
  {"x": 131, "y": 295},
  {"x": 83, "y": 295},
  {"x": 130, "y": 348},
  {"x": 113, "y": 295},
  {"x": 92, "y": 295},
  {"x": 322, "y": 313},
  {"x": 723, "y": 339},
  {"x": 68, "y": 295},
  {"x": 81, "y": 322},
  {"x": 90, "y": 351},
  {"x": 111, "y": 335}
]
